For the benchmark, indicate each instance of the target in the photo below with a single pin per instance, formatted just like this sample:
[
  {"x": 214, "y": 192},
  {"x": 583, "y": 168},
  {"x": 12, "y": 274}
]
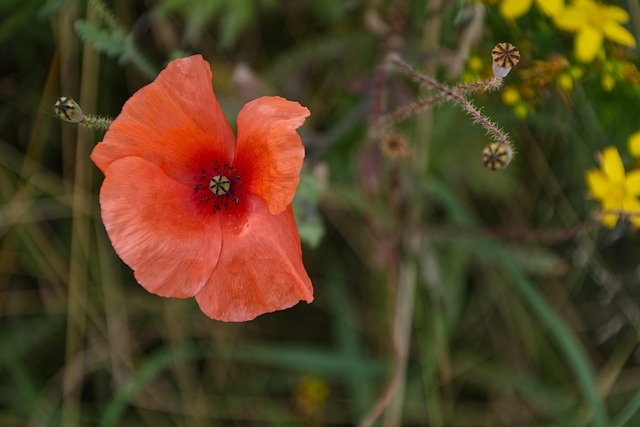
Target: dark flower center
[{"x": 219, "y": 185}]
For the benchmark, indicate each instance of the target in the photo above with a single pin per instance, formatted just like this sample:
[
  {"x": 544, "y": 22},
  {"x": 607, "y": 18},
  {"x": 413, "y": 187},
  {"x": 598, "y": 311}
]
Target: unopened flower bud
[
  {"x": 505, "y": 57},
  {"x": 68, "y": 110}
]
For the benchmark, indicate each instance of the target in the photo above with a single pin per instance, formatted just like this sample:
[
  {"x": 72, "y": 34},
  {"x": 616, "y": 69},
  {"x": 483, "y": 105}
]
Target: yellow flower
[
  {"x": 514, "y": 9},
  {"x": 617, "y": 192},
  {"x": 576, "y": 72},
  {"x": 608, "y": 82},
  {"x": 564, "y": 81},
  {"x": 510, "y": 95},
  {"x": 475, "y": 63},
  {"x": 592, "y": 22},
  {"x": 634, "y": 144},
  {"x": 521, "y": 110}
]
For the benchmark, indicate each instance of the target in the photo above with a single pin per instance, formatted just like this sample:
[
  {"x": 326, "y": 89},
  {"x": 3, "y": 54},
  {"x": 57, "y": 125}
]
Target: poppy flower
[{"x": 195, "y": 211}]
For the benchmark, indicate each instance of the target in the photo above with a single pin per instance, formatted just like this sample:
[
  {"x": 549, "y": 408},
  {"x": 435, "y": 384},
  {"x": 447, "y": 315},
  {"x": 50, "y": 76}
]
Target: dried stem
[
  {"x": 498, "y": 135},
  {"x": 378, "y": 83},
  {"x": 420, "y": 105},
  {"x": 400, "y": 339}
]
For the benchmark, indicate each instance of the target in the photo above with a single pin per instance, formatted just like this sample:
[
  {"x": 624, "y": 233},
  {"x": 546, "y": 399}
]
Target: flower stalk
[
  {"x": 420, "y": 105},
  {"x": 68, "y": 110},
  {"x": 496, "y": 155}
]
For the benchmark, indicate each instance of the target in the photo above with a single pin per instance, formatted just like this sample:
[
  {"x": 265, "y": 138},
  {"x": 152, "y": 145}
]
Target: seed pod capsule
[
  {"x": 496, "y": 156},
  {"x": 505, "y": 56}
]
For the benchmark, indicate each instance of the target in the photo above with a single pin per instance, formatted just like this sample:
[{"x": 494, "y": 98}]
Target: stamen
[{"x": 224, "y": 184}]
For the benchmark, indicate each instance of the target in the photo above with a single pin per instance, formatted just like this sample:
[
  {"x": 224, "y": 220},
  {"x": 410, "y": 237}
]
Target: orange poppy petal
[
  {"x": 159, "y": 228},
  {"x": 260, "y": 268},
  {"x": 173, "y": 122},
  {"x": 269, "y": 153}
]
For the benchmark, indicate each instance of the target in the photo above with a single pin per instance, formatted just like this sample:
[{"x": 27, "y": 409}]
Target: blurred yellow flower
[
  {"x": 510, "y": 95},
  {"x": 475, "y": 63},
  {"x": 521, "y": 110},
  {"x": 473, "y": 70},
  {"x": 608, "y": 82},
  {"x": 592, "y": 22},
  {"x": 576, "y": 72},
  {"x": 564, "y": 82},
  {"x": 310, "y": 397},
  {"x": 514, "y": 9},
  {"x": 634, "y": 144},
  {"x": 618, "y": 193}
]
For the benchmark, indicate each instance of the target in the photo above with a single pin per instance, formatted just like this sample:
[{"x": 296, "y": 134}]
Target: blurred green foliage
[{"x": 488, "y": 298}]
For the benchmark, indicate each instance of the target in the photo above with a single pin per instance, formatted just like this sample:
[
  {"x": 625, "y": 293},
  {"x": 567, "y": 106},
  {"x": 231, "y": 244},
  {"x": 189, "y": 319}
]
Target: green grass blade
[{"x": 564, "y": 339}]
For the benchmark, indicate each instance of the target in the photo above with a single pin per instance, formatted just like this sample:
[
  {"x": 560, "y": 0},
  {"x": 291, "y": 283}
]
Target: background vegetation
[{"x": 446, "y": 294}]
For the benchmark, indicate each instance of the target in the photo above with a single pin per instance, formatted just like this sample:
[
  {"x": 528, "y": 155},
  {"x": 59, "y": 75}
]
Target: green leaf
[
  {"x": 108, "y": 42},
  {"x": 305, "y": 209}
]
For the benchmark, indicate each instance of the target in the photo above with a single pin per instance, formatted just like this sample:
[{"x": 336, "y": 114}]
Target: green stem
[
  {"x": 96, "y": 122},
  {"x": 630, "y": 409}
]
